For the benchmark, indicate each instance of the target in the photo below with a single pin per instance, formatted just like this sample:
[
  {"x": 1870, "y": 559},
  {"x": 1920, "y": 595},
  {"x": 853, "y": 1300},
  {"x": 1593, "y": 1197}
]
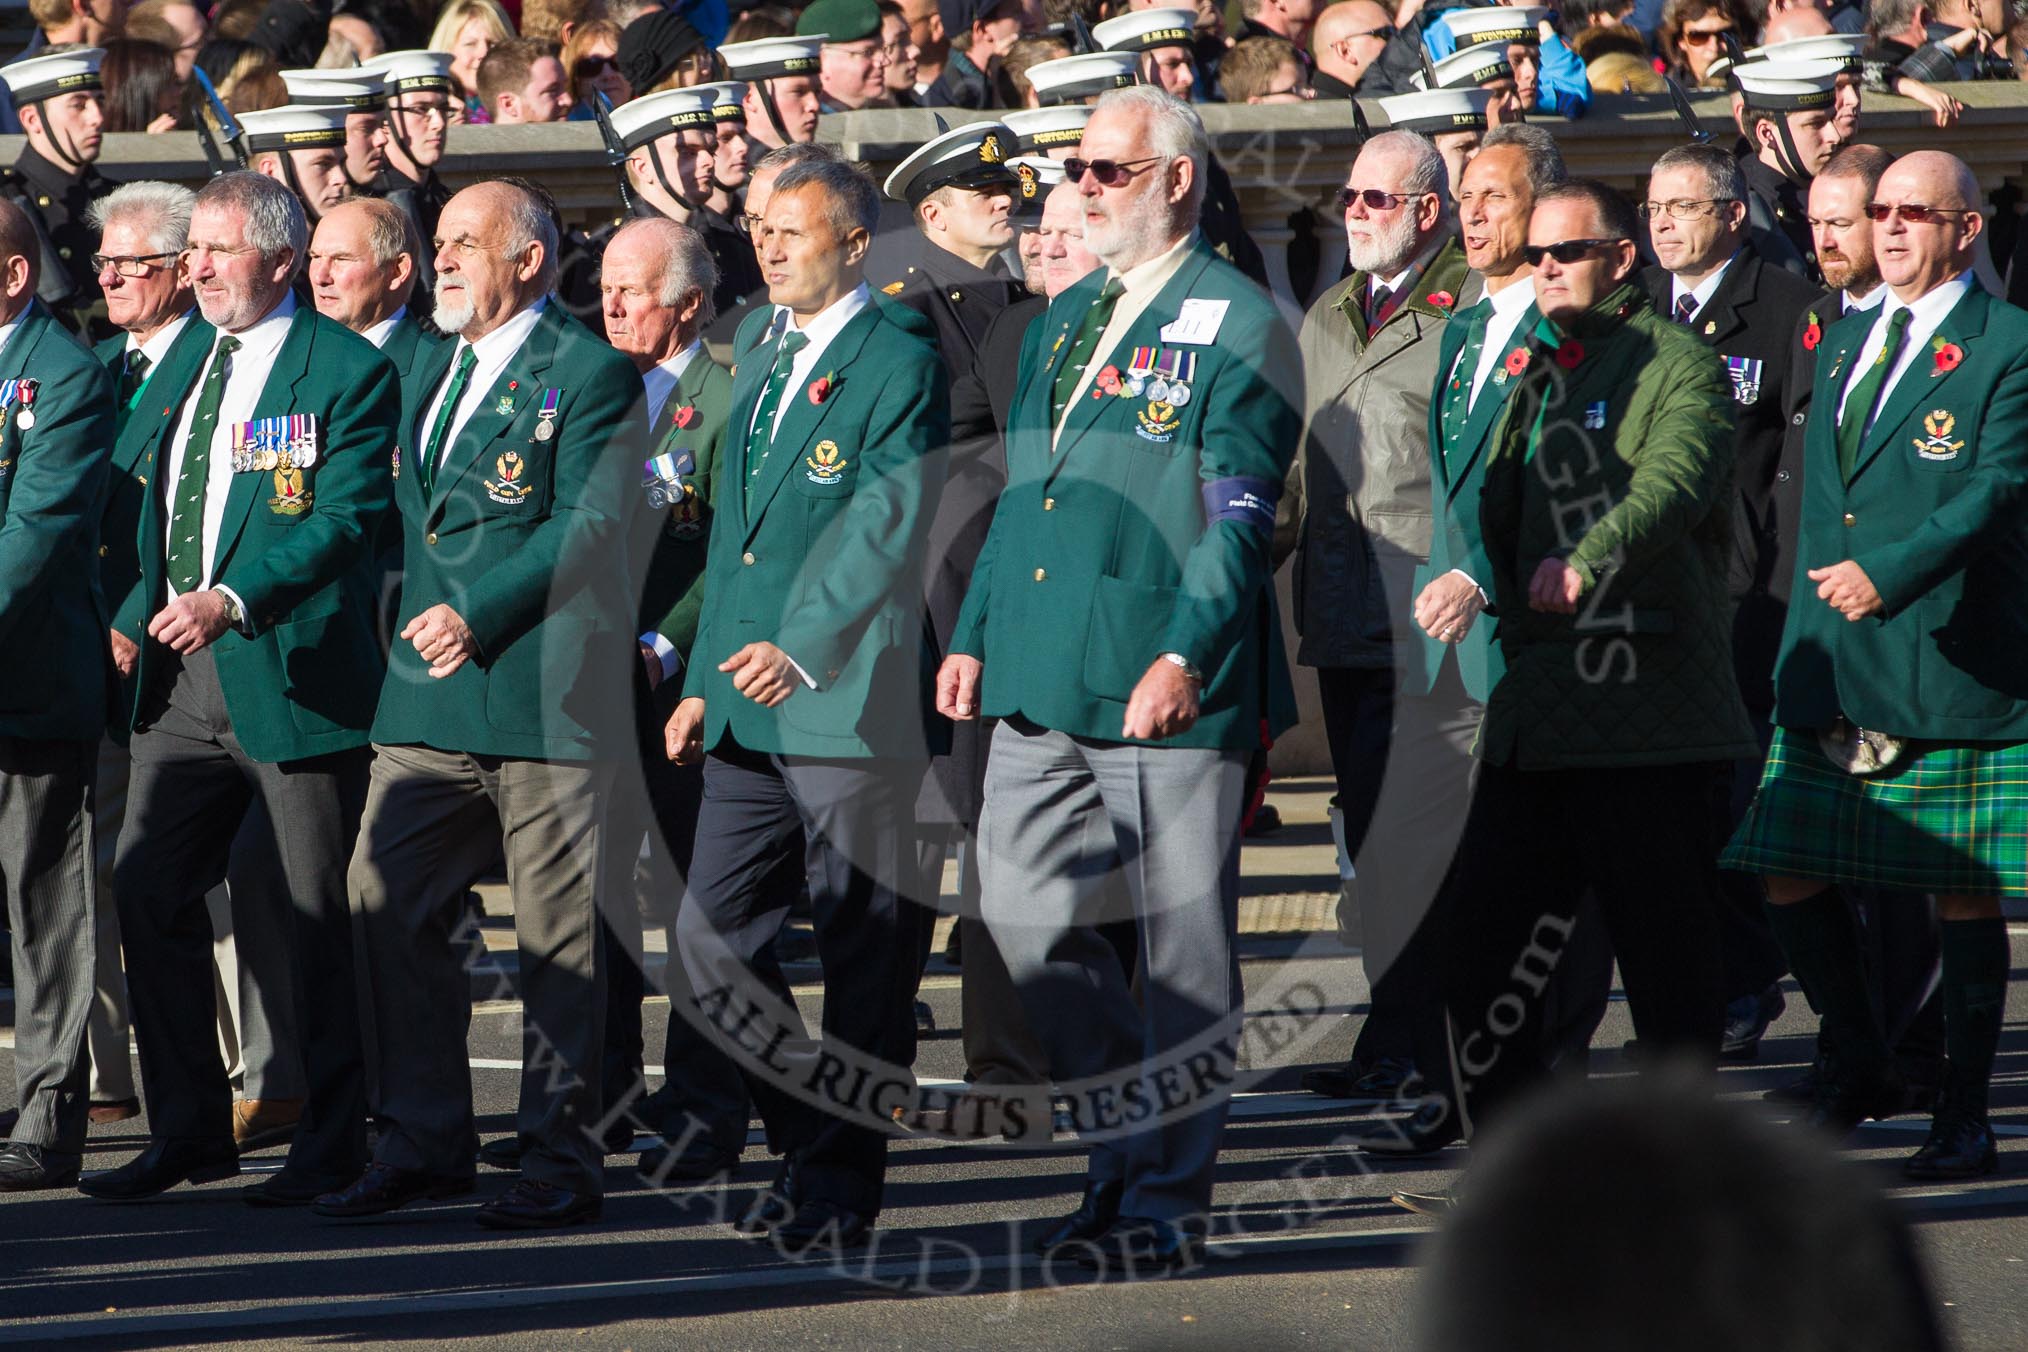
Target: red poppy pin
[
  {"x": 1813, "y": 333},
  {"x": 1443, "y": 300},
  {"x": 1949, "y": 356},
  {"x": 820, "y": 388},
  {"x": 1569, "y": 353},
  {"x": 1108, "y": 380},
  {"x": 684, "y": 416},
  {"x": 1517, "y": 361}
]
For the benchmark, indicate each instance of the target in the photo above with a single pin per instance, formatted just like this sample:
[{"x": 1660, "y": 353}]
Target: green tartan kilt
[{"x": 1945, "y": 819}]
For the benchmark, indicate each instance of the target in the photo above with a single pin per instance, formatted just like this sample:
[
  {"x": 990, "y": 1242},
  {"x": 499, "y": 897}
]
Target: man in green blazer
[
  {"x": 502, "y": 710},
  {"x": 55, "y": 425},
  {"x": 1901, "y": 717},
  {"x": 807, "y": 697},
  {"x": 1121, "y": 626},
  {"x": 254, "y": 681}
]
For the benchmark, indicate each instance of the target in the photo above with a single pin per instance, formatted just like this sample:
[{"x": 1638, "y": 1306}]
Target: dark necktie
[
  {"x": 1686, "y": 308},
  {"x": 1865, "y": 393},
  {"x": 762, "y": 434},
  {"x": 132, "y": 377},
  {"x": 1083, "y": 344},
  {"x": 186, "y": 517},
  {"x": 1457, "y": 405},
  {"x": 440, "y": 426}
]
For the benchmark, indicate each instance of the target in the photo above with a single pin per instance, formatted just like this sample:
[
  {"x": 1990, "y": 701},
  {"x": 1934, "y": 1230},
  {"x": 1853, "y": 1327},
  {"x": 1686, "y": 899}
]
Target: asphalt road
[{"x": 1314, "y": 1254}]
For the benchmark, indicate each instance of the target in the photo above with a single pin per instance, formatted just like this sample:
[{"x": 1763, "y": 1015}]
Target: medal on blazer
[
  {"x": 267, "y": 444},
  {"x": 1056, "y": 347},
  {"x": 1176, "y": 368},
  {"x": 19, "y": 395},
  {"x": 397, "y": 460},
  {"x": 1140, "y": 367},
  {"x": 508, "y": 489},
  {"x": 545, "y": 416}
]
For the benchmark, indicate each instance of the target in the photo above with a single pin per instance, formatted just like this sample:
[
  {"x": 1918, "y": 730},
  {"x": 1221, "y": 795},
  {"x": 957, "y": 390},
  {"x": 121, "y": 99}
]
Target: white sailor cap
[
  {"x": 1502, "y": 24},
  {"x": 294, "y": 127},
  {"x": 652, "y": 116},
  {"x": 335, "y": 88},
  {"x": 412, "y": 72},
  {"x": 44, "y": 77},
  {"x": 1144, "y": 30},
  {"x": 728, "y": 100},
  {"x": 1047, "y": 128},
  {"x": 1037, "y": 174},
  {"x": 1847, "y": 49},
  {"x": 772, "y": 58},
  {"x": 1069, "y": 79},
  {"x": 1472, "y": 67},
  {"x": 1787, "y": 86},
  {"x": 1434, "y": 111},
  {"x": 971, "y": 156}
]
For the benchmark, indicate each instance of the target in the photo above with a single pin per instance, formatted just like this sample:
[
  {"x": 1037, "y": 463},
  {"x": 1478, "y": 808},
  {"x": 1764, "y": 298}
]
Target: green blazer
[
  {"x": 679, "y": 539},
  {"x": 524, "y": 538},
  {"x": 133, "y": 469},
  {"x": 827, "y": 563},
  {"x": 305, "y": 576},
  {"x": 1933, "y": 515},
  {"x": 409, "y": 348},
  {"x": 54, "y": 678},
  {"x": 1457, "y": 477},
  {"x": 1147, "y": 529}
]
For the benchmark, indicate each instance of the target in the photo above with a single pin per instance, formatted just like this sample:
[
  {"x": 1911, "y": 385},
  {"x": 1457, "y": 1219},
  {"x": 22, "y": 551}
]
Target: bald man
[
  {"x": 56, "y": 431},
  {"x": 1348, "y": 41}
]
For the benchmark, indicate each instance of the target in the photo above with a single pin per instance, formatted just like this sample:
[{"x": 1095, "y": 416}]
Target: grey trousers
[
  {"x": 434, "y": 823},
  {"x": 1062, "y": 815},
  {"x": 46, "y": 873},
  {"x": 110, "y": 1029}
]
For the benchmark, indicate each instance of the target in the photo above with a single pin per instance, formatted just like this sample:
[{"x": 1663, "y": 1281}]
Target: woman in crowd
[
  {"x": 142, "y": 91},
  {"x": 1691, "y": 36},
  {"x": 592, "y": 60},
  {"x": 468, "y": 29}
]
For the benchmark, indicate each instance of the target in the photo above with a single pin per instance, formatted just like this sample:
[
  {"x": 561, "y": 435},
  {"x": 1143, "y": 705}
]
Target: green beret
[{"x": 840, "y": 20}]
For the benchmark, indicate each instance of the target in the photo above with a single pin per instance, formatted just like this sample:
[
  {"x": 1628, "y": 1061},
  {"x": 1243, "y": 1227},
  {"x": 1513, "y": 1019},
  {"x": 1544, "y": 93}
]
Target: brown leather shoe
[
  {"x": 260, "y": 1123},
  {"x": 104, "y": 1112}
]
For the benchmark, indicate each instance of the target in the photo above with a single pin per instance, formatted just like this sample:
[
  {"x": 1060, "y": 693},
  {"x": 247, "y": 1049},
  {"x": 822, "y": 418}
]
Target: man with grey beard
[
  {"x": 1357, "y": 518},
  {"x": 508, "y": 693}
]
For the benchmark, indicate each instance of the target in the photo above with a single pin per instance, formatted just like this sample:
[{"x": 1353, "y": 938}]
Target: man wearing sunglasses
[
  {"x": 1607, "y": 516},
  {"x": 1349, "y": 38},
  {"x": 1120, "y": 625},
  {"x": 1915, "y": 465},
  {"x": 1357, "y": 516}
]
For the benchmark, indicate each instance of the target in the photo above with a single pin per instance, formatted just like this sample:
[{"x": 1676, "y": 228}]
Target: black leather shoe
[
  {"x": 1799, "y": 1092},
  {"x": 1747, "y": 1020},
  {"x": 1379, "y": 1082},
  {"x": 1096, "y": 1213},
  {"x": 770, "y": 1206},
  {"x": 1138, "y": 1246},
  {"x": 1958, "y": 1147},
  {"x": 289, "y": 1187},
  {"x": 662, "y": 1167},
  {"x": 1844, "y": 1101},
  {"x": 820, "y": 1226},
  {"x": 29, "y": 1168},
  {"x": 1428, "y": 1129},
  {"x": 531, "y": 1205},
  {"x": 161, "y": 1167},
  {"x": 502, "y": 1153},
  {"x": 383, "y": 1188}
]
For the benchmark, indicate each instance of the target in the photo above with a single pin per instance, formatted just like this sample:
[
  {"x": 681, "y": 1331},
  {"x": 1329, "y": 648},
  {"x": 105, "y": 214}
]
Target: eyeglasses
[
  {"x": 1375, "y": 199},
  {"x": 591, "y": 67},
  {"x": 1109, "y": 173},
  {"x": 1912, "y": 213},
  {"x": 130, "y": 265},
  {"x": 749, "y": 224},
  {"x": 1566, "y": 251},
  {"x": 1681, "y": 208},
  {"x": 1704, "y": 37},
  {"x": 1385, "y": 33},
  {"x": 427, "y": 112}
]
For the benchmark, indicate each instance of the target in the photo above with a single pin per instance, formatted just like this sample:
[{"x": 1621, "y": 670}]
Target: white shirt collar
[
  {"x": 659, "y": 381},
  {"x": 1153, "y": 273},
  {"x": 378, "y": 334},
  {"x": 1513, "y": 298},
  {"x": 823, "y": 326},
  {"x": 1870, "y": 301},
  {"x": 502, "y": 342},
  {"x": 678, "y": 364},
  {"x": 7, "y": 330},
  {"x": 1929, "y": 309},
  {"x": 159, "y": 344},
  {"x": 1703, "y": 291},
  {"x": 263, "y": 338}
]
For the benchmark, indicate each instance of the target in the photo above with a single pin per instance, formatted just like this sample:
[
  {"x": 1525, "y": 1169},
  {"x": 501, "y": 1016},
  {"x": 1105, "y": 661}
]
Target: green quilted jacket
[{"x": 1616, "y": 455}]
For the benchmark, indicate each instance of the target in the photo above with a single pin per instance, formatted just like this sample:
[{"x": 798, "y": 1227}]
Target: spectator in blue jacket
[{"x": 1547, "y": 74}]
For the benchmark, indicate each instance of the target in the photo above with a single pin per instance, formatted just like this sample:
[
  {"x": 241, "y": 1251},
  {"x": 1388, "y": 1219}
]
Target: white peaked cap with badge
[
  {"x": 1435, "y": 111},
  {"x": 771, "y": 58},
  {"x": 1848, "y": 49},
  {"x": 1785, "y": 86},
  {"x": 1080, "y": 77},
  {"x": 727, "y": 100},
  {"x": 1503, "y": 24},
  {"x": 653, "y": 116},
  {"x": 1144, "y": 30},
  {"x": 410, "y": 71},
  {"x": 1046, "y": 128},
  {"x": 294, "y": 127},
  {"x": 43, "y": 77},
  {"x": 352, "y": 89},
  {"x": 1470, "y": 67}
]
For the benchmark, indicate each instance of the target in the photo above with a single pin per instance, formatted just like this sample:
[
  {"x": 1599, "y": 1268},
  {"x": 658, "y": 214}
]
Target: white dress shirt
[
  {"x": 1925, "y": 317},
  {"x": 1139, "y": 285},
  {"x": 246, "y": 374},
  {"x": 7, "y": 331},
  {"x": 660, "y": 381},
  {"x": 155, "y": 348},
  {"x": 1700, "y": 293},
  {"x": 820, "y": 330},
  {"x": 378, "y": 334},
  {"x": 491, "y": 355},
  {"x": 1509, "y": 303},
  {"x": 1870, "y": 301}
]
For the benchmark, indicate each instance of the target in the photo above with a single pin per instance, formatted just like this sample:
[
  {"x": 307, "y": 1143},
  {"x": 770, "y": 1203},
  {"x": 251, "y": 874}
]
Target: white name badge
[{"x": 1197, "y": 323}]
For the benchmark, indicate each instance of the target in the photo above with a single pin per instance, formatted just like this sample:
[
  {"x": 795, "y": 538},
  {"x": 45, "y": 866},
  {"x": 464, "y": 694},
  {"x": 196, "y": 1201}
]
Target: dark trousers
[
  {"x": 1639, "y": 839},
  {"x": 857, "y": 821},
  {"x": 1358, "y": 728},
  {"x": 192, "y": 787}
]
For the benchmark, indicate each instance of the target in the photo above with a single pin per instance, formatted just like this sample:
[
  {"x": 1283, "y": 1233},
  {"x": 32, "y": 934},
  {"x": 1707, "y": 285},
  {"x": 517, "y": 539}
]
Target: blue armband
[{"x": 1249, "y": 501}]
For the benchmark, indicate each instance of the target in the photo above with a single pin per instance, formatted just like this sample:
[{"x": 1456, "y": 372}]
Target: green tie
[
  {"x": 1457, "y": 405},
  {"x": 762, "y": 433},
  {"x": 1865, "y": 394},
  {"x": 1082, "y": 344},
  {"x": 133, "y": 376},
  {"x": 186, "y": 518},
  {"x": 441, "y": 424}
]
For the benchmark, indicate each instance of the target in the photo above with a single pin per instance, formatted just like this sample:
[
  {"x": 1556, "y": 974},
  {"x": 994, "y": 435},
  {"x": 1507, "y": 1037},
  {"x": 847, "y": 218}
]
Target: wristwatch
[
  {"x": 235, "y": 618},
  {"x": 1188, "y": 668}
]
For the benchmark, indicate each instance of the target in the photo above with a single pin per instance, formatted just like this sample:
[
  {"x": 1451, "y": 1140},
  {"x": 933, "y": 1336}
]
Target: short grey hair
[
  {"x": 389, "y": 231},
  {"x": 529, "y": 222},
  {"x": 1887, "y": 18},
  {"x": 1175, "y": 131},
  {"x": 796, "y": 152},
  {"x": 274, "y": 218},
  {"x": 1720, "y": 171},
  {"x": 687, "y": 264},
  {"x": 1538, "y": 149},
  {"x": 851, "y": 202},
  {"x": 1426, "y": 171},
  {"x": 165, "y": 207}
]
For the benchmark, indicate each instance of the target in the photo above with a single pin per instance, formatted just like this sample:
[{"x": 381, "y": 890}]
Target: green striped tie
[
  {"x": 762, "y": 434},
  {"x": 1858, "y": 410},
  {"x": 1082, "y": 345},
  {"x": 441, "y": 424},
  {"x": 1457, "y": 404},
  {"x": 186, "y": 518}
]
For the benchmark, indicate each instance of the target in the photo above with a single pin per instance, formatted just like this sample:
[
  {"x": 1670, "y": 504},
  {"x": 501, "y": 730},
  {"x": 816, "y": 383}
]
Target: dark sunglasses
[
  {"x": 1912, "y": 213},
  {"x": 1565, "y": 251},
  {"x": 1385, "y": 33},
  {"x": 1375, "y": 199},
  {"x": 1109, "y": 173},
  {"x": 591, "y": 67}
]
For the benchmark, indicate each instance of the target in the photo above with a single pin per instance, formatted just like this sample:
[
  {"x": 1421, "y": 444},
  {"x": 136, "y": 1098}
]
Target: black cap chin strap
[
  {"x": 767, "y": 98},
  {"x": 662, "y": 177},
  {"x": 1785, "y": 150},
  {"x": 66, "y": 152}
]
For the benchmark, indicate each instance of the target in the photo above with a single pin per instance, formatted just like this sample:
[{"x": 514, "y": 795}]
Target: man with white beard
[{"x": 1370, "y": 348}]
